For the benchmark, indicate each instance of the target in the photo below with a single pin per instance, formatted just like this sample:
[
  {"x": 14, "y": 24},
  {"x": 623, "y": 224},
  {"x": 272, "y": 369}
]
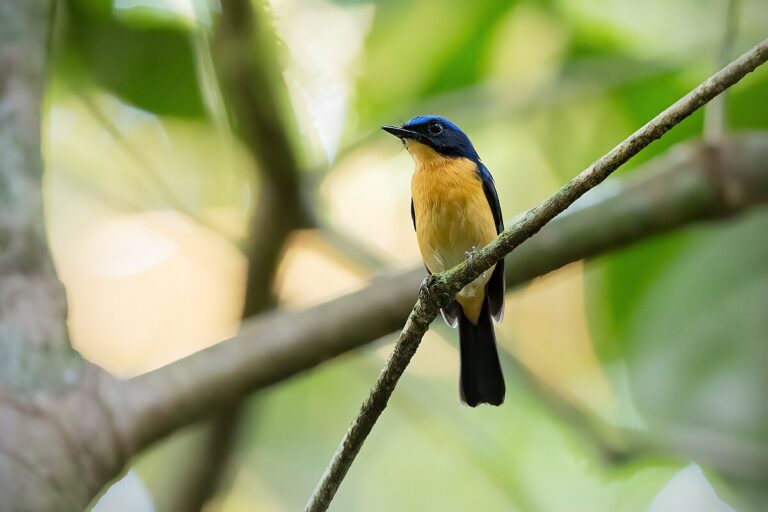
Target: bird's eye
[{"x": 435, "y": 128}]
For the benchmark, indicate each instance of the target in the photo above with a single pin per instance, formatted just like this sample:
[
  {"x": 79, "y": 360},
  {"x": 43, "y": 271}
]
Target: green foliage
[
  {"x": 433, "y": 49},
  {"x": 146, "y": 60},
  {"x": 618, "y": 284},
  {"x": 677, "y": 324},
  {"x": 691, "y": 326}
]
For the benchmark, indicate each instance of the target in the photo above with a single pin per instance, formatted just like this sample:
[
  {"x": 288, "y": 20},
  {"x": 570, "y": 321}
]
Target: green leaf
[
  {"x": 420, "y": 48},
  {"x": 148, "y": 62},
  {"x": 689, "y": 316}
]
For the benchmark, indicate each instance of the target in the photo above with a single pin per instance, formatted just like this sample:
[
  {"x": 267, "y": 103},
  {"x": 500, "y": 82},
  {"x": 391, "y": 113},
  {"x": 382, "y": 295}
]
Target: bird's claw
[
  {"x": 471, "y": 258},
  {"x": 424, "y": 287}
]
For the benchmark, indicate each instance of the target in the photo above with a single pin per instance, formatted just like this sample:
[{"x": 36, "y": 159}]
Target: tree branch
[
  {"x": 247, "y": 70},
  {"x": 443, "y": 287}
]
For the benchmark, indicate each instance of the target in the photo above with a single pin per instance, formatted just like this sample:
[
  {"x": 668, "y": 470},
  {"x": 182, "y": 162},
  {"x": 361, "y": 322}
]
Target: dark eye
[{"x": 435, "y": 128}]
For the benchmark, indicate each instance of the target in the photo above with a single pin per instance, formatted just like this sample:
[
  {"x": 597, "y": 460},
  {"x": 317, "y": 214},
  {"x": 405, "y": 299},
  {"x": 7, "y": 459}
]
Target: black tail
[{"x": 481, "y": 380}]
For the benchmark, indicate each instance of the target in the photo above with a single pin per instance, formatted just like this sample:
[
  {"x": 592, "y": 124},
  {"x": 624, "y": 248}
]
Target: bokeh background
[{"x": 149, "y": 192}]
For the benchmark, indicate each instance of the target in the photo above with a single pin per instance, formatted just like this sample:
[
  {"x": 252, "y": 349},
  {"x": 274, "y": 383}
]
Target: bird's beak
[{"x": 401, "y": 133}]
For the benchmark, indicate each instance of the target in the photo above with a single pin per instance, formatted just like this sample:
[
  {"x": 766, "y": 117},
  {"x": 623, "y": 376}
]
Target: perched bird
[{"x": 455, "y": 211}]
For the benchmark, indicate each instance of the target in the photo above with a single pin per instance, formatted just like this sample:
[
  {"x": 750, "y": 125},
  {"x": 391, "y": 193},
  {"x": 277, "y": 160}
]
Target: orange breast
[{"x": 452, "y": 217}]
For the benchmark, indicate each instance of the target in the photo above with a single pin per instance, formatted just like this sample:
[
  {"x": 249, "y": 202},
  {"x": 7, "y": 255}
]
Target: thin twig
[
  {"x": 443, "y": 287},
  {"x": 202, "y": 478}
]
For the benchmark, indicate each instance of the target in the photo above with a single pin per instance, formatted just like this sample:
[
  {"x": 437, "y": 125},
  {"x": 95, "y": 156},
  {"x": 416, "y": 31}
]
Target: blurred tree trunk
[
  {"x": 48, "y": 461},
  {"x": 32, "y": 300}
]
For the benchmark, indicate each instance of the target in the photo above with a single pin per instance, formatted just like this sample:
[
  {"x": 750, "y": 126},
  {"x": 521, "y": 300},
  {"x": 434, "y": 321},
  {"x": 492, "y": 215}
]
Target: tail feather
[{"x": 481, "y": 379}]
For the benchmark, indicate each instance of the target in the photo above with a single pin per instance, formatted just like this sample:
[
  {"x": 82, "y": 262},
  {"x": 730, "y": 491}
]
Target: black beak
[{"x": 401, "y": 133}]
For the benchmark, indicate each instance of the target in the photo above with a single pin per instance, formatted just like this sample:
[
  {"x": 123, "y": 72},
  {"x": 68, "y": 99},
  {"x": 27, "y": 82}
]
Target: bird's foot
[
  {"x": 424, "y": 292},
  {"x": 471, "y": 257}
]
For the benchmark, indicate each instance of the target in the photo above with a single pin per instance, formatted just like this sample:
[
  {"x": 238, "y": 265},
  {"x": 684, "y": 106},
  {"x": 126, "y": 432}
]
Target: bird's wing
[
  {"x": 489, "y": 187},
  {"x": 495, "y": 288},
  {"x": 413, "y": 215}
]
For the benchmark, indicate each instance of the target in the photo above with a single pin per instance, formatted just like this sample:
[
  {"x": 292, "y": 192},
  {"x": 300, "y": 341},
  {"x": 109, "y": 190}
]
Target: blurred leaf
[
  {"x": 619, "y": 282},
  {"x": 146, "y": 60},
  {"x": 419, "y": 48},
  {"x": 747, "y": 105},
  {"x": 697, "y": 338},
  {"x": 688, "y": 315},
  {"x": 642, "y": 100}
]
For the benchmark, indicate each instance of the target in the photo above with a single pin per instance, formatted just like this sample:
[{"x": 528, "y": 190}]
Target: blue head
[{"x": 438, "y": 133}]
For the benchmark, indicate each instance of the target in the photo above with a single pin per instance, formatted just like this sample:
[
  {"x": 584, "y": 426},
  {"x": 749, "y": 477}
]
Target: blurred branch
[
  {"x": 715, "y": 121},
  {"x": 609, "y": 443},
  {"x": 441, "y": 288},
  {"x": 202, "y": 478},
  {"x": 733, "y": 456},
  {"x": 246, "y": 73},
  {"x": 245, "y": 70},
  {"x": 38, "y": 469}
]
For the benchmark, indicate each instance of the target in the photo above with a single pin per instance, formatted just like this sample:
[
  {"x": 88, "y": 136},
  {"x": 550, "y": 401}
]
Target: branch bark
[
  {"x": 35, "y": 350},
  {"x": 40, "y": 466},
  {"x": 443, "y": 287}
]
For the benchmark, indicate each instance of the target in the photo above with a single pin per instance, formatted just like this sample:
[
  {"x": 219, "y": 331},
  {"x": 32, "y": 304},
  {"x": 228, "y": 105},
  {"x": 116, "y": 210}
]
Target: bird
[{"x": 455, "y": 211}]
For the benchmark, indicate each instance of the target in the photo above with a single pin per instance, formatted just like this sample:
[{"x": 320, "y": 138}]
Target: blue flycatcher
[{"x": 455, "y": 211}]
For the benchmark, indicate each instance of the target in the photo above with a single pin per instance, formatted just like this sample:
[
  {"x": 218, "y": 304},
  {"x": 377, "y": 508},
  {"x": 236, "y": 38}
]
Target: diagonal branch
[{"x": 444, "y": 286}]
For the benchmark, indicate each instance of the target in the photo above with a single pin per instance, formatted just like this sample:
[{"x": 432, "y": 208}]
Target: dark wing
[
  {"x": 413, "y": 215},
  {"x": 489, "y": 187},
  {"x": 495, "y": 286}
]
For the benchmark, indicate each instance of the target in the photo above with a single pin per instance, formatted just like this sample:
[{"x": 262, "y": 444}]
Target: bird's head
[{"x": 426, "y": 134}]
